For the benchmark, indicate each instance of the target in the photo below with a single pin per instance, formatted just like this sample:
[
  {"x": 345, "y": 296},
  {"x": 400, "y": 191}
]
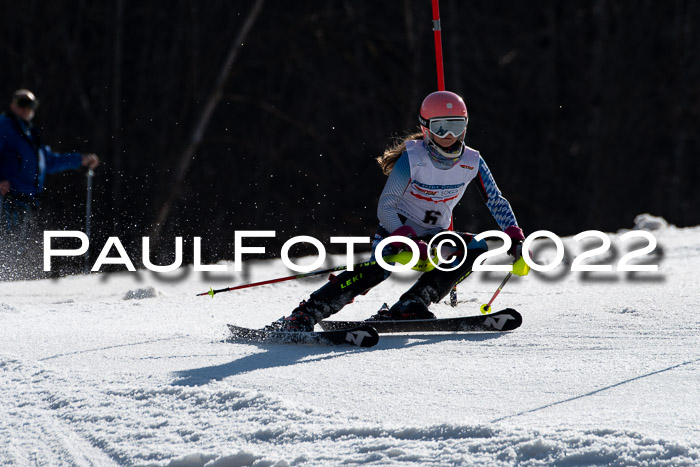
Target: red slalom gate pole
[
  {"x": 437, "y": 34},
  {"x": 438, "y": 45}
]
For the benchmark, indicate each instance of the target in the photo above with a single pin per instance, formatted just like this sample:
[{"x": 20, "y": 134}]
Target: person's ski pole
[
  {"x": 520, "y": 268},
  {"x": 212, "y": 292},
  {"x": 88, "y": 218},
  {"x": 486, "y": 308}
]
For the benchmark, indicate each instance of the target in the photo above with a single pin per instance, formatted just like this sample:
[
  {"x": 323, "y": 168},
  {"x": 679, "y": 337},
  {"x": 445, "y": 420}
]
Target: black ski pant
[{"x": 431, "y": 287}]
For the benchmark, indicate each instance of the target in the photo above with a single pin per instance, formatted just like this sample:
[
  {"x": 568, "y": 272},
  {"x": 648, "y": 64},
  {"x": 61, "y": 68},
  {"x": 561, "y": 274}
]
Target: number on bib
[{"x": 431, "y": 217}]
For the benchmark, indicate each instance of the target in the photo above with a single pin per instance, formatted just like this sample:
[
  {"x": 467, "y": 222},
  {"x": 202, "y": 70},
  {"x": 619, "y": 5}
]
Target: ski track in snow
[{"x": 133, "y": 369}]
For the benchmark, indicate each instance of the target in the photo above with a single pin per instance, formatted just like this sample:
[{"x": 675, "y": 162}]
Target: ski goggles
[{"x": 441, "y": 127}]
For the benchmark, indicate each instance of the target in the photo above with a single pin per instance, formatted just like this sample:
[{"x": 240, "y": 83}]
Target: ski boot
[
  {"x": 403, "y": 310},
  {"x": 305, "y": 316},
  {"x": 300, "y": 320},
  {"x": 413, "y": 304}
]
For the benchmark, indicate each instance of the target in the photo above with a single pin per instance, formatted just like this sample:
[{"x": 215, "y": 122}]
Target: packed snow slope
[{"x": 133, "y": 369}]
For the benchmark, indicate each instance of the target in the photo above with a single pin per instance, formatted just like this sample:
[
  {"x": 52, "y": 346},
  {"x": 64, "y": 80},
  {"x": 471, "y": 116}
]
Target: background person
[{"x": 25, "y": 162}]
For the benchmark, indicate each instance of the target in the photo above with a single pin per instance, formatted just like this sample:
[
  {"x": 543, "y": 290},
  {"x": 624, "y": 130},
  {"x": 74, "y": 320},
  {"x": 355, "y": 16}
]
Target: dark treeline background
[{"x": 586, "y": 111}]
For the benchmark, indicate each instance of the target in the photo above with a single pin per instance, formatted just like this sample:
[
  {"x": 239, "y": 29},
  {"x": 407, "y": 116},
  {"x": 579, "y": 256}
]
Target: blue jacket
[{"x": 24, "y": 162}]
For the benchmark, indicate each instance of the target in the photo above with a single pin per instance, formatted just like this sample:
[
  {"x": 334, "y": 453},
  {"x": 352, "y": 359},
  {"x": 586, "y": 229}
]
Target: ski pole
[
  {"x": 438, "y": 45},
  {"x": 486, "y": 308},
  {"x": 453, "y": 297},
  {"x": 88, "y": 217},
  {"x": 212, "y": 292}
]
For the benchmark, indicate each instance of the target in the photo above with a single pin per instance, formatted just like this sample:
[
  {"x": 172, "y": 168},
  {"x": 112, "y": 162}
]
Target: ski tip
[
  {"x": 362, "y": 336},
  {"x": 513, "y": 319}
]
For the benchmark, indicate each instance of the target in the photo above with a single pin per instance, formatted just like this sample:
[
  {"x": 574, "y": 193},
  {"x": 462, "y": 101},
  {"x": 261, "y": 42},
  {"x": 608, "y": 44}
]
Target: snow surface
[{"x": 133, "y": 369}]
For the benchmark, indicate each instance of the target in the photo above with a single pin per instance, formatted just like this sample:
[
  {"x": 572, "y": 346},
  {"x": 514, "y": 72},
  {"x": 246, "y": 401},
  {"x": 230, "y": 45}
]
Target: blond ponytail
[{"x": 391, "y": 154}]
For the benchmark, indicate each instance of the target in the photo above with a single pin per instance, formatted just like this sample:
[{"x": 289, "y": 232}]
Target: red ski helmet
[{"x": 444, "y": 112}]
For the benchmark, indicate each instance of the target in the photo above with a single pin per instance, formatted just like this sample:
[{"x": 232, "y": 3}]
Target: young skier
[{"x": 428, "y": 174}]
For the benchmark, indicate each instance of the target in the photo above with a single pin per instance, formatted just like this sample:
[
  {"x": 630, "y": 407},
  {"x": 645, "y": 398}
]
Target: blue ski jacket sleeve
[
  {"x": 24, "y": 163},
  {"x": 498, "y": 206}
]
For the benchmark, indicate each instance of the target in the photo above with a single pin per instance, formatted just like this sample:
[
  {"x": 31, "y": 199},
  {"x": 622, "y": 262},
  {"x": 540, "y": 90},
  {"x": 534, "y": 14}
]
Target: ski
[
  {"x": 360, "y": 334},
  {"x": 504, "y": 320}
]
